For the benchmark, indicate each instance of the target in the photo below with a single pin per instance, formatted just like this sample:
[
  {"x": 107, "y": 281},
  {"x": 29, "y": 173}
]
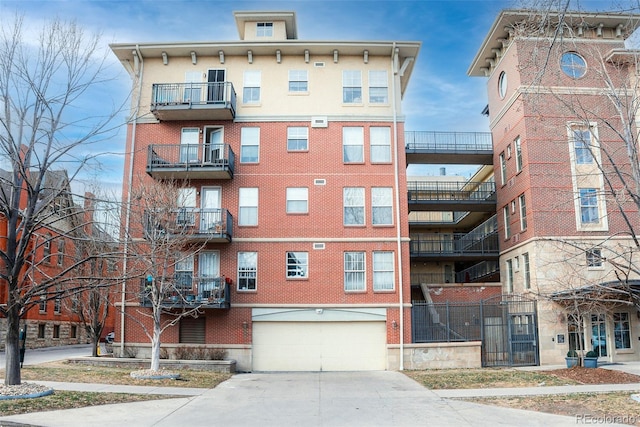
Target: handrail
[{"x": 448, "y": 141}]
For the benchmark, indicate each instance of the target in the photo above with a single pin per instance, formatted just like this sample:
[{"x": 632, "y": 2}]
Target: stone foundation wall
[{"x": 436, "y": 356}]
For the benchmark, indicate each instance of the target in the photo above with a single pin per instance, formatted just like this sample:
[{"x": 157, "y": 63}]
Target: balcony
[
  {"x": 484, "y": 271},
  {"x": 190, "y": 224},
  {"x": 190, "y": 291},
  {"x": 452, "y": 196},
  {"x": 469, "y": 148},
  {"x": 190, "y": 161},
  {"x": 454, "y": 246},
  {"x": 193, "y": 101}
]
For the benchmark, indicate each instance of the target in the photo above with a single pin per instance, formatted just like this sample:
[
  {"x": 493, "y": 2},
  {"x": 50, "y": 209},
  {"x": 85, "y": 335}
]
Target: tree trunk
[
  {"x": 12, "y": 346},
  {"x": 155, "y": 344}
]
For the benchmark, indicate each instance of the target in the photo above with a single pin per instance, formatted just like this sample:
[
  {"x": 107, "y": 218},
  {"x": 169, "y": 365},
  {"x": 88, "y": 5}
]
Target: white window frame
[
  {"x": 380, "y": 144},
  {"x": 251, "y": 83},
  {"x": 594, "y": 259},
  {"x": 351, "y": 87},
  {"x": 353, "y": 144},
  {"x": 297, "y": 200},
  {"x": 298, "y": 138},
  {"x": 582, "y": 145},
  {"x": 298, "y": 81},
  {"x": 383, "y": 271},
  {"x": 523, "y": 211},
  {"x": 509, "y": 276},
  {"x": 518, "y": 144},
  {"x": 353, "y": 202},
  {"x": 297, "y": 264},
  {"x": 247, "y": 271},
  {"x": 527, "y": 270},
  {"x": 355, "y": 278},
  {"x": 248, "y": 199},
  {"x": 622, "y": 318},
  {"x": 249, "y": 138},
  {"x": 507, "y": 222},
  {"x": 264, "y": 29},
  {"x": 381, "y": 202},
  {"x": 503, "y": 169},
  {"x": 589, "y": 206},
  {"x": 378, "y": 82}
]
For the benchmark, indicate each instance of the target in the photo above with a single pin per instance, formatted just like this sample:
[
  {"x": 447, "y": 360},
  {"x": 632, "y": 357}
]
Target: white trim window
[
  {"x": 518, "y": 145},
  {"x": 594, "y": 258},
  {"x": 527, "y": 270},
  {"x": 509, "y": 276},
  {"x": 380, "y": 141},
  {"x": 353, "y": 205},
  {"x": 298, "y": 81},
  {"x": 297, "y": 200},
  {"x": 352, "y": 144},
  {"x": 298, "y": 138},
  {"x": 523, "y": 212},
  {"x": 351, "y": 87},
  {"x": 247, "y": 271},
  {"x": 622, "y": 331},
  {"x": 383, "y": 271},
  {"x": 589, "y": 206},
  {"x": 297, "y": 265},
  {"x": 507, "y": 222},
  {"x": 251, "y": 86},
  {"x": 582, "y": 146},
  {"x": 186, "y": 204},
  {"x": 503, "y": 169},
  {"x": 248, "y": 206},
  {"x": 183, "y": 276},
  {"x": 382, "y": 206},
  {"x": 378, "y": 87},
  {"x": 354, "y": 271},
  {"x": 250, "y": 145},
  {"x": 264, "y": 29}
]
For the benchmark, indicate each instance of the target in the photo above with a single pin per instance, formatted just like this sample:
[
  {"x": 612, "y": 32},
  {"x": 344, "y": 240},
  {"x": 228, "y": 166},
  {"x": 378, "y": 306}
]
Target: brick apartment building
[{"x": 298, "y": 150}]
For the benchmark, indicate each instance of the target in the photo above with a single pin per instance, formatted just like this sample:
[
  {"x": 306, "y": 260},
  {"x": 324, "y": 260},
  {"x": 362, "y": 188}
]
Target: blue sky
[{"x": 440, "y": 96}]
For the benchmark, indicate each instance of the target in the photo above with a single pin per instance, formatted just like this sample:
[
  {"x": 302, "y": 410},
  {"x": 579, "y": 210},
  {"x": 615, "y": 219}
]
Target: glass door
[
  {"x": 215, "y": 82},
  {"x": 214, "y": 147},
  {"x": 189, "y": 139},
  {"x": 599, "y": 334},
  {"x": 211, "y": 217},
  {"x": 209, "y": 274}
]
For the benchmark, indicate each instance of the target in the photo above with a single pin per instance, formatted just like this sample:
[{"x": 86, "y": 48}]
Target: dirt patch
[{"x": 595, "y": 375}]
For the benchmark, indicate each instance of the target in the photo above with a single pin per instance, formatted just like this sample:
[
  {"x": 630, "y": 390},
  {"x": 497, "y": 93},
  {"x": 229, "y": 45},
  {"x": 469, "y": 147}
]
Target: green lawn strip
[
  {"x": 70, "y": 400},
  {"x": 485, "y": 378}
]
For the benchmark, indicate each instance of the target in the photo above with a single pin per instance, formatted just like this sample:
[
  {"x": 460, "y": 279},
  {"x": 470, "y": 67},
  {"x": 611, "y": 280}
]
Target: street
[{"x": 50, "y": 354}]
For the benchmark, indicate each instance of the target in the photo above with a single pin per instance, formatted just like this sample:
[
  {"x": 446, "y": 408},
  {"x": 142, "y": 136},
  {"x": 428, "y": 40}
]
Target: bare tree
[
  {"x": 44, "y": 90},
  {"x": 164, "y": 258}
]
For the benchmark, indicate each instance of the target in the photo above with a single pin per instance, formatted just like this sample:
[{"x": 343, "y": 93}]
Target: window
[
  {"x": 264, "y": 29},
  {"x": 509, "y": 276},
  {"x": 297, "y": 200},
  {"x": 503, "y": 169},
  {"x": 248, "y": 206},
  {"x": 383, "y": 273},
  {"x": 502, "y": 85},
  {"x": 43, "y": 304},
  {"x": 518, "y": 146},
  {"x": 582, "y": 146},
  {"x": 622, "y": 330},
  {"x": 594, "y": 258},
  {"x": 250, "y": 145},
  {"x": 247, "y": 271},
  {"x": 523, "y": 212},
  {"x": 297, "y": 139},
  {"x": 507, "y": 222},
  {"x": 351, "y": 87},
  {"x": 527, "y": 270},
  {"x": 251, "y": 87},
  {"x": 573, "y": 65},
  {"x": 352, "y": 145},
  {"x": 378, "y": 87},
  {"x": 60, "y": 251},
  {"x": 186, "y": 206},
  {"x": 184, "y": 272},
  {"x": 381, "y": 206},
  {"x": 46, "y": 251},
  {"x": 57, "y": 301},
  {"x": 73, "y": 331},
  {"x": 353, "y": 202},
  {"x": 588, "y": 206},
  {"x": 298, "y": 81},
  {"x": 380, "y": 141},
  {"x": 189, "y": 142},
  {"x": 297, "y": 265},
  {"x": 56, "y": 331},
  {"x": 354, "y": 271},
  {"x": 41, "y": 329}
]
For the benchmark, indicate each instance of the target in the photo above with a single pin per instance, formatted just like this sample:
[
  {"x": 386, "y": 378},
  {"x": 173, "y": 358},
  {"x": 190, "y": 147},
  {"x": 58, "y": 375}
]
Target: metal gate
[{"x": 509, "y": 331}]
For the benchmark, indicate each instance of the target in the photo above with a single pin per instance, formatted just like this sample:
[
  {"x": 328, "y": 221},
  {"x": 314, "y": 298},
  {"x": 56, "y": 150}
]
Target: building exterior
[
  {"x": 558, "y": 98},
  {"x": 291, "y": 158}
]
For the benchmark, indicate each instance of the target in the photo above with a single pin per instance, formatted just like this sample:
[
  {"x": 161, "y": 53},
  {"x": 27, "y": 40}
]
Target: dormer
[{"x": 266, "y": 26}]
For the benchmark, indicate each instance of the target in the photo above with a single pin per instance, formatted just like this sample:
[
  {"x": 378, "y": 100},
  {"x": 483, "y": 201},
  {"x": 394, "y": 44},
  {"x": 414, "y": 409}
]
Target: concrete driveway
[{"x": 383, "y": 398}]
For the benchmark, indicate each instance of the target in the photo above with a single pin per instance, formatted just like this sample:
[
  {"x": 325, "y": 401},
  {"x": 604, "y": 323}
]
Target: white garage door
[{"x": 319, "y": 346}]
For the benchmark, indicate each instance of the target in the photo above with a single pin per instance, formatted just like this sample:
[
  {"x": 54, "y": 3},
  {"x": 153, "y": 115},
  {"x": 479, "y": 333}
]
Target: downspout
[
  {"x": 138, "y": 71},
  {"x": 396, "y": 176}
]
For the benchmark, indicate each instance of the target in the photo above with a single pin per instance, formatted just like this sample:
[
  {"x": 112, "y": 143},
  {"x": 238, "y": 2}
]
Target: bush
[
  {"x": 182, "y": 353},
  {"x": 164, "y": 353},
  {"x": 216, "y": 353},
  {"x": 572, "y": 353},
  {"x": 591, "y": 354},
  {"x": 130, "y": 352}
]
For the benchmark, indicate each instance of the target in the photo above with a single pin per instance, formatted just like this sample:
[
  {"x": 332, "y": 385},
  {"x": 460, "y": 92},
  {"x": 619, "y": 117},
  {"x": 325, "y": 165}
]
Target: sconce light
[
  {"x": 245, "y": 325},
  {"x": 306, "y": 56},
  {"x": 335, "y": 56},
  {"x": 165, "y": 58},
  {"x": 221, "y": 55},
  {"x": 599, "y": 29},
  {"x": 250, "y": 57},
  {"x": 278, "y": 56},
  {"x": 394, "y": 324},
  {"x": 193, "y": 58},
  {"x": 319, "y": 311},
  {"x": 366, "y": 56}
]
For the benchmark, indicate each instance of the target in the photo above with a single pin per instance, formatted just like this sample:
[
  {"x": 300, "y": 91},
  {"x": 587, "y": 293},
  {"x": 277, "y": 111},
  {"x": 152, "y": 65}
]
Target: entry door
[
  {"x": 215, "y": 80},
  {"x": 214, "y": 149},
  {"x": 189, "y": 145},
  {"x": 211, "y": 219},
  {"x": 599, "y": 334}
]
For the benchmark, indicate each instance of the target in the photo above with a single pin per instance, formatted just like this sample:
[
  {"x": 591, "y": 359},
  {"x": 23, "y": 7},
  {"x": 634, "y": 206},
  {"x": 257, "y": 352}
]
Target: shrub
[
  {"x": 216, "y": 353},
  {"x": 164, "y": 353},
  {"x": 572, "y": 353},
  {"x": 182, "y": 353},
  {"x": 591, "y": 354},
  {"x": 130, "y": 352}
]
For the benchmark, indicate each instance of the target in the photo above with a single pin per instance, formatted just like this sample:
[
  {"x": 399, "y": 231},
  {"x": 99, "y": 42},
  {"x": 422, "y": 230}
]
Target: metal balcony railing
[
  {"x": 186, "y": 290},
  {"x": 459, "y": 244},
  {"x": 207, "y": 159},
  {"x": 184, "y": 101},
  {"x": 448, "y": 141},
  {"x": 190, "y": 224},
  {"x": 430, "y": 191},
  {"x": 478, "y": 272}
]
